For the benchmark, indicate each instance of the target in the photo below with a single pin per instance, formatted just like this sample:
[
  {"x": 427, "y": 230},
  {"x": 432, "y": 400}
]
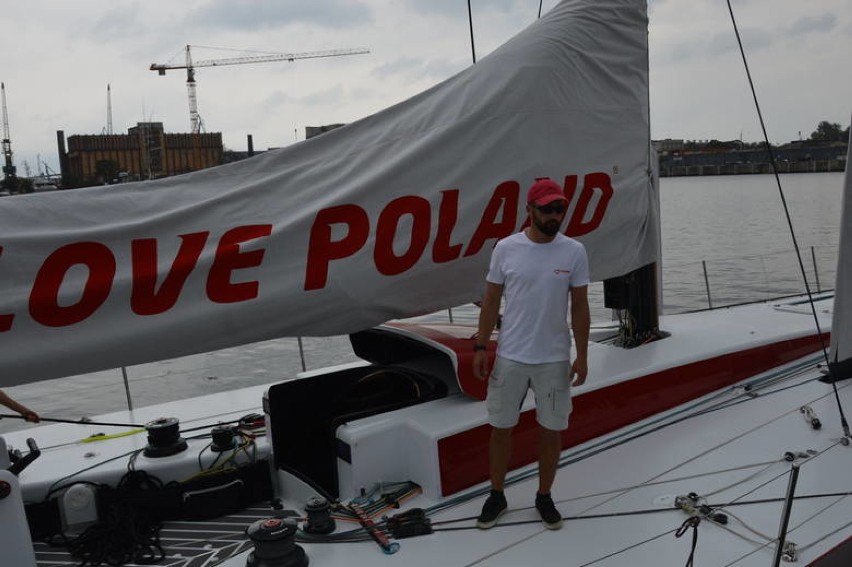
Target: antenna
[{"x": 109, "y": 111}]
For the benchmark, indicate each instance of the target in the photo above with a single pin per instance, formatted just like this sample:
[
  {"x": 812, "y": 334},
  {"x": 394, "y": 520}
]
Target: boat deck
[
  {"x": 617, "y": 491},
  {"x": 183, "y": 543}
]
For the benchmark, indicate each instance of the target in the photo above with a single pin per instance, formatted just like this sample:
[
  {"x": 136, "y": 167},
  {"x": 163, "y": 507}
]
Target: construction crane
[
  {"x": 9, "y": 177},
  {"x": 190, "y": 66}
]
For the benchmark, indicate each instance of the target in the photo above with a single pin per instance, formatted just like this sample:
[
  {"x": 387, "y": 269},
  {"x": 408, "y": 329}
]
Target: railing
[
  {"x": 758, "y": 168},
  {"x": 730, "y": 281},
  {"x": 686, "y": 287},
  {"x": 689, "y": 286}
]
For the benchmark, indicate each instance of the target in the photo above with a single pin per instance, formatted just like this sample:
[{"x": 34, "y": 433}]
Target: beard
[{"x": 549, "y": 227}]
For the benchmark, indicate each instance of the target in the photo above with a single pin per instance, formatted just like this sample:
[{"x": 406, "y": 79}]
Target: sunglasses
[{"x": 551, "y": 209}]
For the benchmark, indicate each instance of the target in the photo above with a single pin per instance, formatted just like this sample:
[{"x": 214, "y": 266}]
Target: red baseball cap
[{"x": 545, "y": 191}]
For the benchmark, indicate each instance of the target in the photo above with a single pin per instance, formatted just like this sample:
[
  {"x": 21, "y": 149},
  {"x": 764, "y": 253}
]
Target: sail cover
[
  {"x": 840, "y": 353},
  {"x": 391, "y": 216}
]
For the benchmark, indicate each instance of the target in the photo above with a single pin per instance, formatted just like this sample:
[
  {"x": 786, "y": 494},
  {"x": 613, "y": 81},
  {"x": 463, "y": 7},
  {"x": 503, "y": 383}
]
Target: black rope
[
  {"x": 81, "y": 421},
  {"x": 602, "y": 448},
  {"x": 126, "y": 533},
  {"x": 58, "y": 486},
  {"x": 210, "y": 426},
  {"x": 691, "y": 522},
  {"x": 676, "y": 420},
  {"x": 640, "y": 512},
  {"x": 86, "y": 421},
  {"x": 843, "y": 421}
]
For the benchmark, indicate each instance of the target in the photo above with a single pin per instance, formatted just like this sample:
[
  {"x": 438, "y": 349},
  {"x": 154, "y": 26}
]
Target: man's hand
[
  {"x": 480, "y": 364},
  {"x": 31, "y": 416},
  {"x": 579, "y": 371}
]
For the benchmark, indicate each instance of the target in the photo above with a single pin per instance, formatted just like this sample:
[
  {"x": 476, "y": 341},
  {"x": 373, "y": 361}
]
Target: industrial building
[{"x": 145, "y": 152}]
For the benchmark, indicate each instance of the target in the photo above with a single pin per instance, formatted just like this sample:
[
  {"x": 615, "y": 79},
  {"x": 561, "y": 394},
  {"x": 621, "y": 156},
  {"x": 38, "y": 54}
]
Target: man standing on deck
[{"x": 537, "y": 270}]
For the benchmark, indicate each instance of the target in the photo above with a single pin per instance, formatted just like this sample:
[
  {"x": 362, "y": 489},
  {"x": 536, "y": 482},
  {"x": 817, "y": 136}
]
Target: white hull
[{"x": 617, "y": 490}]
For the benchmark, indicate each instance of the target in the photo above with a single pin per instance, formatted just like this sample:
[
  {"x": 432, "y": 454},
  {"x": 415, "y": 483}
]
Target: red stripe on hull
[
  {"x": 463, "y": 457},
  {"x": 837, "y": 556}
]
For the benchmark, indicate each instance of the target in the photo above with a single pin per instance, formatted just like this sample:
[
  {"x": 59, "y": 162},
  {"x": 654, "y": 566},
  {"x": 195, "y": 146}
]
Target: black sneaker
[
  {"x": 493, "y": 508},
  {"x": 550, "y": 516}
]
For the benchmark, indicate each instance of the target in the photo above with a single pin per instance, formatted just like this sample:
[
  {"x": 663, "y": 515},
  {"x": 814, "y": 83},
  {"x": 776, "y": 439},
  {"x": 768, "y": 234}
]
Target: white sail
[
  {"x": 390, "y": 216},
  {"x": 840, "y": 354}
]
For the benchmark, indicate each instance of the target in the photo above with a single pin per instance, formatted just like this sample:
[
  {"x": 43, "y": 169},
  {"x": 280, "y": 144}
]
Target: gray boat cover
[{"x": 391, "y": 216}]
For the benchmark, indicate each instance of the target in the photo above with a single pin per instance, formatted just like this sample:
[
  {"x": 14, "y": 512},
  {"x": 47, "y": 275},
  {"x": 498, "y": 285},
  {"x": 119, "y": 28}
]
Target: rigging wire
[
  {"x": 843, "y": 421},
  {"x": 768, "y": 381},
  {"x": 673, "y": 419},
  {"x": 645, "y": 511},
  {"x": 710, "y": 404},
  {"x": 470, "y": 22},
  {"x": 770, "y": 540}
]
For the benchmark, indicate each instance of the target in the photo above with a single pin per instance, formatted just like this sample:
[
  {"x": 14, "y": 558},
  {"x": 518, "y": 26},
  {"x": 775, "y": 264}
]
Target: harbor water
[{"x": 725, "y": 240}]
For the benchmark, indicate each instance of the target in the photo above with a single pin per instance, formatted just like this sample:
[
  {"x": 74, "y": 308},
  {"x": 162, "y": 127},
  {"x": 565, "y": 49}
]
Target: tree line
[
  {"x": 830, "y": 132},
  {"x": 825, "y": 133}
]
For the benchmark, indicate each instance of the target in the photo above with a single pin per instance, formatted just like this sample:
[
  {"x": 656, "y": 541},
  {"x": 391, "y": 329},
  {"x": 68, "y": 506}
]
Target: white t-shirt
[{"x": 537, "y": 279}]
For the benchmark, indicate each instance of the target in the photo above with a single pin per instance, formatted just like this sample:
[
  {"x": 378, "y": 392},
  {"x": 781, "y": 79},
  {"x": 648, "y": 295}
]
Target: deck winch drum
[
  {"x": 164, "y": 438},
  {"x": 274, "y": 542}
]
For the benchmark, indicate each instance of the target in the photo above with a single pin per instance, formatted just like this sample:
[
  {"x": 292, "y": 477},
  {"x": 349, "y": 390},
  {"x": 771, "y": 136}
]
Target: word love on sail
[
  {"x": 401, "y": 233},
  {"x": 46, "y": 306}
]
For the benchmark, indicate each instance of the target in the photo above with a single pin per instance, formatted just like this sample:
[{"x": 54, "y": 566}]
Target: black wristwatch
[{"x": 477, "y": 347}]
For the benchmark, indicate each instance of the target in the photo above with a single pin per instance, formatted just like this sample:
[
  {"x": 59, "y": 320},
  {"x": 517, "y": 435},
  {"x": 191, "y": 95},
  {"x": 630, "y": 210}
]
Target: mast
[
  {"x": 840, "y": 355},
  {"x": 10, "y": 180}
]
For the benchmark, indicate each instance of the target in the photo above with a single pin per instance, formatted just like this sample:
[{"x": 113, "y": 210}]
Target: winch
[
  {"x": 274, "y": 542},
  {"x": 164, "y": 438}
]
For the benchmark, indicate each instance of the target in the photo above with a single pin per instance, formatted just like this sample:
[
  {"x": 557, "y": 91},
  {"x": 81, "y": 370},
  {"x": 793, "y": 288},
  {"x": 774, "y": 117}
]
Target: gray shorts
[{"x": 508, "y": 386}]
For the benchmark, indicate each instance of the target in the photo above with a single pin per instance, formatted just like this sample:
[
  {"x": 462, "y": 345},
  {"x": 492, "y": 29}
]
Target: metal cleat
[
  {"x": 790, "y": 554},
  {"x": 812, "y": 419}
]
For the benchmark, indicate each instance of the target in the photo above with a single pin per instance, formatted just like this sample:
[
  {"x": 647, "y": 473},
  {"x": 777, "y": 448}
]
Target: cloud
[
  {"x": 119, "y": 21},
  {"x": 262, "y": 14},
  {"x": 754, "y": 39},
  {"x": 402, "y": 65},
  {"x": 454, "y": 8},
  {"x": 416, "y": 68},
  {"x": 324, "y": 98},
  {"x": 808, "y": 25}
]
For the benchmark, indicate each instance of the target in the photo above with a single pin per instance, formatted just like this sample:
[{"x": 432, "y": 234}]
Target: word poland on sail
[
  {"x": 391, "y": 216},
  {"x": 499, "y": 219}
]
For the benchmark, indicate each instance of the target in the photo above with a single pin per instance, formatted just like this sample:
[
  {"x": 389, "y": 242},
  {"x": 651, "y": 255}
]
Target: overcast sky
[{"x": 57, "y": 58}]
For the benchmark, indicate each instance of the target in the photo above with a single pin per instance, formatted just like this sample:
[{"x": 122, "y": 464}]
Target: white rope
[
  {"x": 817, "y": 513},
  {"x": 625, "y": 489}
]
